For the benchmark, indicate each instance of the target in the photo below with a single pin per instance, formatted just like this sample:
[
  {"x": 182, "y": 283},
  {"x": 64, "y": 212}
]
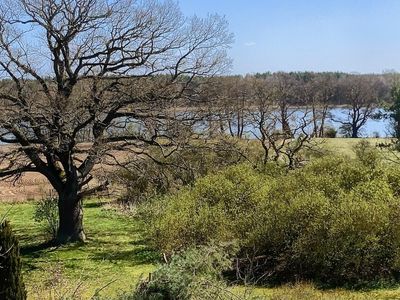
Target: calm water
[{"x": 372, "y": 128}]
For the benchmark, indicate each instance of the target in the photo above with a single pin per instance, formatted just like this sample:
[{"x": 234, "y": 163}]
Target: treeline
[
  {"x": 240, "y": 102},
  {"x": 300, "y": 87}
]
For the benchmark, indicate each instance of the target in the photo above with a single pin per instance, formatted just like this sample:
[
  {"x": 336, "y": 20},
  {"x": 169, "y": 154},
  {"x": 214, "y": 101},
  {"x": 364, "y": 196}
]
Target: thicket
[
  {"x": 160, "y": 174},
  {"x": 330, "y": 132},
  {"x": 334, "y": 221}
]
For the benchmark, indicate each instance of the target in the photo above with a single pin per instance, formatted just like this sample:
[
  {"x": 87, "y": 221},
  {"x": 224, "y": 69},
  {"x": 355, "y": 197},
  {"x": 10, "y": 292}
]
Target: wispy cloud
[{"x": 250, "y": 44}]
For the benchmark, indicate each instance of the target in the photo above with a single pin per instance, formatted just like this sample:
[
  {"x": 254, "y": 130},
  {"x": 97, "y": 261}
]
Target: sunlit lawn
[
  {"x": 113, "y": 258},
  {"x": 344, "y": 146}
]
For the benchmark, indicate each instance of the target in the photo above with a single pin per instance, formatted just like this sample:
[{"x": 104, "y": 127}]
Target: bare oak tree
[{"x": 107, "y": 72}]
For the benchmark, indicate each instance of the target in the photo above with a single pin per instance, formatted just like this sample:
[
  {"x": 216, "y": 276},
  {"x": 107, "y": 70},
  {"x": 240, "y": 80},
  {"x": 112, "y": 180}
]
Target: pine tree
[{"x": 11, "y": 284}]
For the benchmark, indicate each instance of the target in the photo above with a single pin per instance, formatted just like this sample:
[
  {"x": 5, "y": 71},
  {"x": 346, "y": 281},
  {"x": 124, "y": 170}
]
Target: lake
[{"x": 372, "y": 128}]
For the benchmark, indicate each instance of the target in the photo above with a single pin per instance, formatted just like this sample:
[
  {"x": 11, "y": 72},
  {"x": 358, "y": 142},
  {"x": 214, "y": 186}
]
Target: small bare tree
[
  {"x": 267, "y": 119},
  {"x": 326, "y": 91},
  {"x": 316, "y": 92},
  {"x": 363, "y": 93},
  {"x": 108, "y": 72}
]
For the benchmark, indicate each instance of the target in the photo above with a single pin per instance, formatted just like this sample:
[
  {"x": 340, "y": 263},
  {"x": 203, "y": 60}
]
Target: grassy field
[
  {"x": 344, "y": 146},
  {"x": 114, "y": 258}
]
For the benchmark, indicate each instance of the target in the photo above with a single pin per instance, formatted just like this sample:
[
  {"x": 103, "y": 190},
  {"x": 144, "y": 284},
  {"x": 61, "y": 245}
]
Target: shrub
[
  {"x": 46, "y": 211},
  {"x": 193, "y": 274},
  {"x": 335, "y": 220},
  {"x": 11, "y": 283},
  {"x": 367, "y": 154},
  {"x": 345, "y": 130},
  {"x": 376, "y": 134},
  {"x": 206, "y": 212},
  {"x": 330, "y": 132}
]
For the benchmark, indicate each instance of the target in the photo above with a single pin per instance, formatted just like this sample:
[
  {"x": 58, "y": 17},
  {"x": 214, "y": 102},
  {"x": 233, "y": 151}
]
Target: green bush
[
  {"x": 335, "y": 220},
  {"x": 367, "y": 154},
  {"x": 195, "y": 216},
  {"x": 193, "y": 274},
  {"x": 11, "y": 283},
  {"x": 330, "y": 132},
  {"x": 46, "y": 211}
]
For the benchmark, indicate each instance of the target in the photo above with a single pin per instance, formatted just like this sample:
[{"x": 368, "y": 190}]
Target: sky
[{"x": 361, "y": 36}]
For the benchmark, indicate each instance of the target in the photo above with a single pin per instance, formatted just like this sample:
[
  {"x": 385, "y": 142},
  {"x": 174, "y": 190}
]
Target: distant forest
[{"x": 301, "y": 88}]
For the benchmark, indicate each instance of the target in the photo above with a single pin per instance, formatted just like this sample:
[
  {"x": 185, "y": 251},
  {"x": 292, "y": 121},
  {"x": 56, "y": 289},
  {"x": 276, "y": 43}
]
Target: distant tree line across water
[{"x": 238, "y": 99}]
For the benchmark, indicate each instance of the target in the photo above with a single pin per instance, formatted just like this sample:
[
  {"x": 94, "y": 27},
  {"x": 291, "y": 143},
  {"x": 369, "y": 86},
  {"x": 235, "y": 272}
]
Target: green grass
[
  {"x": 344, "y": 146},
  {"x": 114, "y": 254},
  {"x": 308, "y": 291}
]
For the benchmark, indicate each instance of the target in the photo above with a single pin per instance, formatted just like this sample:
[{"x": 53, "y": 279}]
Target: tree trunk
[
  {"x": 315, "y": 123},
  {"x": 354, "y": 132},
  {"x": 71, "y": 218},
  {"x": 286, "y": 128},
  {"x": 322, "y": 127}
]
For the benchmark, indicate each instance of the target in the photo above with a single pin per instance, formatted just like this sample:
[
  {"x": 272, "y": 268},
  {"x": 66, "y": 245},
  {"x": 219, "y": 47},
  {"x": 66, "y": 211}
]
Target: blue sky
[{"x": 297, "y": 35}]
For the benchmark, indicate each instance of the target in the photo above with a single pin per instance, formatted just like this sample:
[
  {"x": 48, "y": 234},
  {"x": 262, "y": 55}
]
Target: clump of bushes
[
  {"x": 11, "y": 283},
  {"x": 193, "y": 274},
  {"x": 334, "y": 221},
  {"x": 367, "y": 154}
]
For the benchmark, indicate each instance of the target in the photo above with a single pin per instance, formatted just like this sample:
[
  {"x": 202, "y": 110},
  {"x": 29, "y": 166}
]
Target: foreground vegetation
[
  {"x": 116, "y": 254},
  {"x": 334, "y": 221},
  {"x": 335, "y": 224},
  {"x": 225, "y": 185}
]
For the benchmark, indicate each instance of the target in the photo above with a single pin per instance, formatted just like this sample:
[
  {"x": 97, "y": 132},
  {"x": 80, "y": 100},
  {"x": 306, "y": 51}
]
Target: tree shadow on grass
[
  {"x": 134, "y": 251},
  {"x": 93, "y": 204},
  {"x": 34, "y": 250},
  {"x": 137, "y": 256},
  {"x": 37, "y": 250}
]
